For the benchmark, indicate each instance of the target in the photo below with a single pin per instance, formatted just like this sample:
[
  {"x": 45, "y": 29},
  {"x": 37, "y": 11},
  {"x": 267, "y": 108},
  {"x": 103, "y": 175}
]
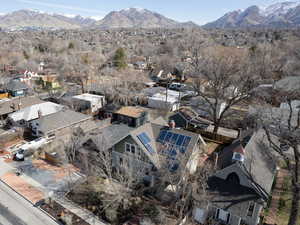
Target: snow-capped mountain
[
  {"x": 278, "y": 8},
  {"x": 283, "y": 14}
]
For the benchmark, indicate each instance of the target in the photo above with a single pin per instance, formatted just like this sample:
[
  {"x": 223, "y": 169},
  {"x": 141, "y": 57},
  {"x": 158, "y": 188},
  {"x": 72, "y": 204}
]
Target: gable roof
[
  {"x": 59, "y": 120},
  {"x": 153, "y": 130},
  {"x": 32, "y": 112},
  {"x": 16, "y": 85},
  {"x": 259, "y": 164},
  {"x": 115, "y": 133},
  {"x": 230, "y": 197}
]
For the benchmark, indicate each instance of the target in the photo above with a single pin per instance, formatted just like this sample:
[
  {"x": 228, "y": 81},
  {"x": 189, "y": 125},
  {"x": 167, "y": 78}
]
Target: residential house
[
  {"x": 24, "y": 116},
  {"x": 61, "y": 124},
  {"x": 11, "y": 105},
  {"x": 164, "y": 101},
  {"x": 145, "y": 151},
  {"x": 190, "y": 120},
  {"x": 132, "y": 116},
  {"x": 140, "y": 65},
  {"x": 203, "y": 108},
  {"x": 50, "y": 81},
  {"x": 157, "y": 146},
  {"x": 240, "y": 188},
  {"x": 85, "y": 103},
  {"x": 17, "y": 88},
  {"x": 295, "y": 104},
  {"x": 160, "y": 98},
  {"x": 113, "y": 134}
]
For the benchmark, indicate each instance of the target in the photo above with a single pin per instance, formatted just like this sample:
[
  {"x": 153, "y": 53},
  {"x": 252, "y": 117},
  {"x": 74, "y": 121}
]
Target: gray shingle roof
[
  {"x": 259, "y": 164},
  {"x": 115, "y": 133},
  {"x": 6, "y": 106},
  {"x": 60, "y": 119},
  {"x": 15, "y": 85},
  {"x": 291, "y": 83},
  {"x": 230, "y": 197}
]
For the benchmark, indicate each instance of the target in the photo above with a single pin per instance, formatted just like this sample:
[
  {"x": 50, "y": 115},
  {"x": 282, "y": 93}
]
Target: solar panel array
[
  {"x": 173, "y": 142},
  {"x": 143, "y": 137}
]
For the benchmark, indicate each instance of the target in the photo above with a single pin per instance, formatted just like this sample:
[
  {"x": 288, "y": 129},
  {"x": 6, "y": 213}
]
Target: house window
[
  {"x": 121, "y": 161},
  {"x": 131, "y": 148},
  {"x": 127, "y": 147},
  {"x": 251, "y": 209},
  {"x": 223, "y": 215}
]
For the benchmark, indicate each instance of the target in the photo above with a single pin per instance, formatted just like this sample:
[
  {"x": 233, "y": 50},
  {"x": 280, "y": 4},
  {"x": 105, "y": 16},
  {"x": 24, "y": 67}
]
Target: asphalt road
[{"x": 15, "y": 210}]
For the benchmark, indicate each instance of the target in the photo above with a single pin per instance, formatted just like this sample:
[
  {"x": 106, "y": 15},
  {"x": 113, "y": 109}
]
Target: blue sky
[{"x": 199, "y": 11}]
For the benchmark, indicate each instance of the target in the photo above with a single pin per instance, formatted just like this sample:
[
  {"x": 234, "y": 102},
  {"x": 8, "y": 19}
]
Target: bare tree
[
  {"x": 229, "y": 80},
  {"x": 283, "y": 132}
]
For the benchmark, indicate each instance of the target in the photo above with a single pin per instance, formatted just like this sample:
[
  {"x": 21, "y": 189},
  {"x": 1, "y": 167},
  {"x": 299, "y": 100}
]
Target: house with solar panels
[{"x": 155, "y": 146}]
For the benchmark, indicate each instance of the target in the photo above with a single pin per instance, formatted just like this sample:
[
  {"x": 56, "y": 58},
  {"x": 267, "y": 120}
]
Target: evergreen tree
[{"x": 120, "y": 59}]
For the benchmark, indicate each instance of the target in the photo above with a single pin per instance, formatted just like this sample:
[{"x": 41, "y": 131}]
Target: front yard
[{"x": 108, "y": 201}]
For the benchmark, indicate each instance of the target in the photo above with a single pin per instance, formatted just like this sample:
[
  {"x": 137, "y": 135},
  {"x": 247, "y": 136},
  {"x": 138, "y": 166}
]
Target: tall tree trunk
[
  {"x": 294, "y": 215},
  {"x": 216, "y": 128}
]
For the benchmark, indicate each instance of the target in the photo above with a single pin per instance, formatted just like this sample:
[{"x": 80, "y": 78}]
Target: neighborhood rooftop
[
  {"x": 61, "y": 119},
  {"x": 131, "y": 111}
]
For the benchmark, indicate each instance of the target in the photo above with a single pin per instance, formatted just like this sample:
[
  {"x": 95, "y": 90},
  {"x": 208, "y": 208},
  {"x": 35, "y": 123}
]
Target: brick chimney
[
  {"x": 40, "y": 114},
  {"x": 172, "y": 124}
]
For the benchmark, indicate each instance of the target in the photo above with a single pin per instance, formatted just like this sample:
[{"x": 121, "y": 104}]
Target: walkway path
[{"x": 273, "y": 209}]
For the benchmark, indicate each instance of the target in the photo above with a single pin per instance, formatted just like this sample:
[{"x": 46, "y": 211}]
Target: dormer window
[{"x": 238, "y": 157}]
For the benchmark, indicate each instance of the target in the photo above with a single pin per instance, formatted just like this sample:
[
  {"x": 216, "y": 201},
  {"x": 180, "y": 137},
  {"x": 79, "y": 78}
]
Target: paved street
[{"x": 14, "y": 210}]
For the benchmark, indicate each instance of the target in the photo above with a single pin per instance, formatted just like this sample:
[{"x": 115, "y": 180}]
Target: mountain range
[
  {"x": 126, "y": 18},
  {"x": 279, "y": 15},
  {"x": 283, "y": 14}
]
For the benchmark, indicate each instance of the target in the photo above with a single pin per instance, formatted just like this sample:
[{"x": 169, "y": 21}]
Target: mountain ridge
[
  {"x": 125, "y": 18},
  {"x": 282, "y": 14}
]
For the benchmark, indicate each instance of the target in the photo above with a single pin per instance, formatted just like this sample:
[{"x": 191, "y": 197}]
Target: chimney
[
  {"x": 40, "y": 114},
  {"x": 172, "y": 124},
  {"x": 13, "y": 107},
  {"x": 240, "y": 135},
  {"x": 216, "y": 160}
]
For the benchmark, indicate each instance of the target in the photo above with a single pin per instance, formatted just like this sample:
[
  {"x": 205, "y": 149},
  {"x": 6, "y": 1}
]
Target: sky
[{"x": 198, "y": 11}]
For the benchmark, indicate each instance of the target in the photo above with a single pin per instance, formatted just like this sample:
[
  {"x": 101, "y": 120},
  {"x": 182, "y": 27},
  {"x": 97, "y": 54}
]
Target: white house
[
  {"x": 25, "y": 115},
  {"x": 161, "y": 101},
  {"x": 88, "y": 102}
]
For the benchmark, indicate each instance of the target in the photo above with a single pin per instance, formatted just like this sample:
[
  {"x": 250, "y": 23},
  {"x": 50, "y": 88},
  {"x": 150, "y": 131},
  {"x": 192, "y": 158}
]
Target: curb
[{"x": 46, "y": 213}]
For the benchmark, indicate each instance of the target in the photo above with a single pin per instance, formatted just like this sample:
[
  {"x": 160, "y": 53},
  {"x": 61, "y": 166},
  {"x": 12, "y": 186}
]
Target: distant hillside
[
  {"x": 127, "y": 18},
  {"x": 284, "y": 14},
  {"x": 28, "y": 18}
]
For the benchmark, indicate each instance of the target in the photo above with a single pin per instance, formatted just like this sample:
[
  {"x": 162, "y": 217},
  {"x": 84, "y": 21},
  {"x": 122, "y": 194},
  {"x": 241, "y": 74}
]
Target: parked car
[
  {"x": 176, "y": 86},
  {"x": 19, "y": 156}
]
